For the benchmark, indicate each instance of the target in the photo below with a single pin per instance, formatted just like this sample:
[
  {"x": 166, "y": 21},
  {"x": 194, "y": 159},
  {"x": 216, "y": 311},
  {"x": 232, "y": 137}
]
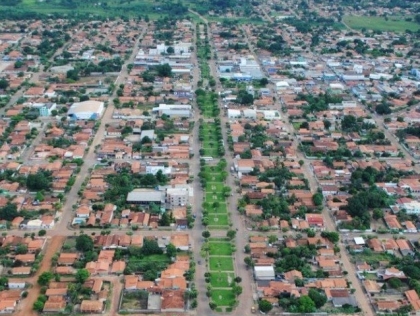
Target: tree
[
  {"x": 150, "y": 275},
  {"x": 318, "y": 298},
  {"x": 317, "y": 198},
  {"x": 244, "y": 97},
  {"x": 165, "y": 220},
  {"x": 349, "y": 123},
  {"x": 206, "y": 234},
  {"x": 18, "y": 64},
  {"x": 84, "y": 243},
  {"x": 395, "y": 283},
  {"x": 4, "y": 84},
  {"x": 265, "y": 306},
  {"x": 237, "y": 290},
  {"x": 45, "y": 278},
  {"x": 9, "y": 212},
  {"x": 377, "y": 213},
  {"x": 327, "y": 124},
  {"x": 38, "y": 306},
  {"x": 164, "y": 70},
  {"x": 306, "y": 304},
  {"x": 170, "y": 50},
  {"x": 263, "y": 82},
  {"x": 231, "y": 234},
  {"x": 82, "y": 275},
  {"x": 383, "y": 108},
  {"x": 331, "y": 236},
  {"x": 42, "y": 180},
  {"x": 151, "y": 247},
  {"x": 170, "y": 250},
  {"x": 72, "y": 74},
  {"x": 21, "y": 249},
  {"x": 248, "y": 261}
]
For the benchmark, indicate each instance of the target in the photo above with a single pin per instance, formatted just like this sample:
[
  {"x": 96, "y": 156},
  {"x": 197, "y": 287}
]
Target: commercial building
[
  {"x": 86, "y": 110},
  {"x": 146, "y": 197}
]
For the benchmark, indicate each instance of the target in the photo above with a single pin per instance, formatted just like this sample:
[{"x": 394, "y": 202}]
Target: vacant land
[{"x": 392, "y": 23}]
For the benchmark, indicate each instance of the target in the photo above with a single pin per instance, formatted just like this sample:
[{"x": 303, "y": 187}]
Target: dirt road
[{"x": 52, "y": 246}]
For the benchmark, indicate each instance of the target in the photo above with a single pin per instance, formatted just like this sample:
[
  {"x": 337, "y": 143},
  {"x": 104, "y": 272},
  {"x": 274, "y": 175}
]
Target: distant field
[{"x": 394, "y": 23}]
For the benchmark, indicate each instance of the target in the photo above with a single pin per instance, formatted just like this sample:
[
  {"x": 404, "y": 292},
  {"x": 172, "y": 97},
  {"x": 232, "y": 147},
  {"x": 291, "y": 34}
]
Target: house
[
  {"x": 391, "y": 273},
  {"x": 16, "y": 283},
  {"x": 404, "y": 247},
  {"x": 7, "y": 306},
  {"x": 173, "y": 301},
  {"x": 372, "y": 286},
  {"x": 245, "y": 166},
  {"x": 315, "y": 220},
  {"x": 293, "y": 275},
  {"x": 414, "y": 299},
  {"x": 26, "y": 258},
  {"x": 181, "y": 241},
  {"x": 118, "y": 267},
  {"x": 55, "y": 304},
  {"x": 67, "y": 258},
  {"x": 21, "y": 271},
  {"x": 92, "y": 307}
]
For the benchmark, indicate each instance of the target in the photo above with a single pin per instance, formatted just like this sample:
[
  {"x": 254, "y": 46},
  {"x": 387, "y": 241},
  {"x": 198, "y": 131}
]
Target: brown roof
[
  {"x": 89, "y": 306},
  {"x": 172, "y": 300}
]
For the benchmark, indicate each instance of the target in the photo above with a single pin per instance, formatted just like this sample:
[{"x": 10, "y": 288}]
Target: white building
[
  {"x": 150, "y": 133},
  {"x": 177, "y": 197},
  {"x": 174, "y": 110},
  {"x": 16, "y": 283},
  {"x": 264, "y": 273},
  {"x": 86, "y": 110},
  {"x": 155, "y": 169},
  {"x": 412, "y": 207},
  {"x": 250, "y": 114},
  {"x": 233, "y": 113}
]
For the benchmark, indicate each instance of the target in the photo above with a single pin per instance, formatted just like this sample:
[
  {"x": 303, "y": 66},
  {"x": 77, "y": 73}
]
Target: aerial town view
[{"x": 211, "y": 157}]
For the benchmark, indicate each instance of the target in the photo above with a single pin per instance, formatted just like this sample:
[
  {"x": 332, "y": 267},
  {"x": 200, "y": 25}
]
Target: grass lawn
[
  {"x": 296, "y": 125},
  {"x": 223, "y": 297},
  {"x": 220, "y": 209},
  {"x": 210, "y": 152},
  {"x": 214, "y": 187},
  {"x": 213, "y": 176},
  {"x": 394, "y": 23},
  {"x": 214, "y": 197},
  {"x": 221, "y": 279},
  {"x": 218, "y": 220},
  {"x": 221, "y": 264},
  {"x": 220, "y": 249},
  {"x": 160, "y": 262}
]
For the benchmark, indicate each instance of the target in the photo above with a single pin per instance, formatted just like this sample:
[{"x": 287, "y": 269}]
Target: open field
[{"x": 394, "y": 23}]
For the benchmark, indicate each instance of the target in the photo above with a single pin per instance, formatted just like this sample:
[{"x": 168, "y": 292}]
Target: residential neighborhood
[{"x": 207, "y": 158}]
